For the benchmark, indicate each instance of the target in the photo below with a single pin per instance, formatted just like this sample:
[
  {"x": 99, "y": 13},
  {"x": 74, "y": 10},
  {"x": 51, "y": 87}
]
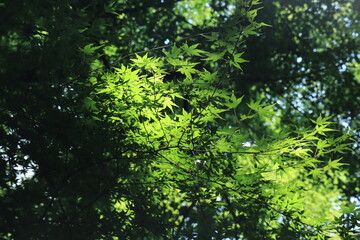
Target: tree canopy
[{"x": 179, "y": 119}]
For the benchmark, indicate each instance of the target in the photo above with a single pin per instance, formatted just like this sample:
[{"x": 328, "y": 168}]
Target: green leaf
[
  {"x": 316, "y": 172},
  {"x": 244, "y": 117},
  {"x": 213, "y": 37},
  {"x": 348, "y": 209},
  {"x": 335, "y": 164},
  {"x": 191, "y": 50},
  {"x": 321, "y": 121},
  {"x": 187, "y": 71},
  {"x": 321, "y": 129},
  {"x": 266, "y": 111},
  {"x": 223, "y": 145},
  {"x": 89, "y": 49},
  {"x": 238, "y": 59},
  {"x": 301, "y": 152},
  {"x": 254, "y": 105},
  {"x": 214, "y": 56},
  {"x": 321, "y": 144},
  {"x": 311, "y": 162},
  {"x": 174, "y": 53},
  {"x": 249, "y": 30},
  {"x": 90, "y": 104},
  {"x": 168, "y": 103},
  {"x": 234, "y": 102}
]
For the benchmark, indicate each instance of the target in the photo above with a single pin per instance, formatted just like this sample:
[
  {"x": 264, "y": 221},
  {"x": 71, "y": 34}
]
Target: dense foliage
[{"x": 179, "y": 119}]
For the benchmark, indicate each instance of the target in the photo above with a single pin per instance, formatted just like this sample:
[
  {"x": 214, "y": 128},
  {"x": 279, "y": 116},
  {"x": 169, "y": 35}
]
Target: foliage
[
  {"x": 161, "y": 146},
  {"x": 307, "y": 63}
]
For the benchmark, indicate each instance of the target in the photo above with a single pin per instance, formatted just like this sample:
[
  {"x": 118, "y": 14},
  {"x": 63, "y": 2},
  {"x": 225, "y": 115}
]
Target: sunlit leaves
[
  {"x": 182, "y": 137},
  {"x": 233, "y": 101},
  {"x": 144, "y": 131},
  {"x": 187, "y": 70},
  {"x": 301, "y": 152},
  {"x": 168, "y": 103},
  {"x": 334, "y": 164},
  {"x": 148, "y": 63}
]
